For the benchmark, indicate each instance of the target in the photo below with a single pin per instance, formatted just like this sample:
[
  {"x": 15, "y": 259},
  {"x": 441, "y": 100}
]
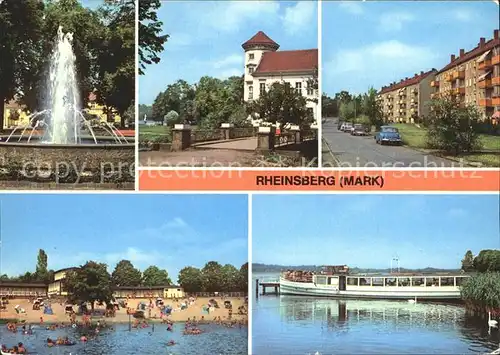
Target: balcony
[
  {"x": 485, "y": 102},
  {"x": 484, "y": 84},
  {"x": 435, "y": 83},
  {"x": 458, "y": 91},
  {"x": 448, "y": 77},
  {"x": 485, "y": 64},
  {"x": 495, "y": 60},
  {"x": 495, "y": 81},
  {"x": 459, "y": 74}
]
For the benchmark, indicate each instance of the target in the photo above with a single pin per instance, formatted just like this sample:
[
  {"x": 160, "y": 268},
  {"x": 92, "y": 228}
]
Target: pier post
[
  {"x": 257, "y": 288},
  {"x": 276, "y": 289}
]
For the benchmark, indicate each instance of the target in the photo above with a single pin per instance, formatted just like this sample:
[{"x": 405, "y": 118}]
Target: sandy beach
[{"x": 195, "y": 309}]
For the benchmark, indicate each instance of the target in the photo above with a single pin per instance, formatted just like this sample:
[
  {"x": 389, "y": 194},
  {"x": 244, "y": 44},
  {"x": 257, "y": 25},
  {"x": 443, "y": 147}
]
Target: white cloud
[
  {"x": 463, "y": 15},
  {"x": 177, "y": 222},
  {"x": 179, "y": 40},
  {"x": 233, "y": 59},
  {"x": 299, "y": 17},
  {"x": 352, "y": 7},
  {"x": 231, "y": 16},
  {"x": 375, "y": 58},
  {"x": 394, "y": 21},
  {"x": 457, "y": 212},
  {"x": 138, "y": 257}
]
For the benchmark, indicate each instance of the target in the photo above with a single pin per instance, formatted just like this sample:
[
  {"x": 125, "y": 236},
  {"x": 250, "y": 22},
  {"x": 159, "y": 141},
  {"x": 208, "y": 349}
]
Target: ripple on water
[
  {"x": 295, "y": 325},
  {"x": 119, "y": 341}
]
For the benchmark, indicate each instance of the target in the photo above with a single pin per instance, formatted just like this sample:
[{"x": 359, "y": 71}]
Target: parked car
[
  {"x": 358, "y": 130},
  {"x": 388, "y": 135},
  {"x": 339, "y": 125},
  {"x": 347, "y": 127}
]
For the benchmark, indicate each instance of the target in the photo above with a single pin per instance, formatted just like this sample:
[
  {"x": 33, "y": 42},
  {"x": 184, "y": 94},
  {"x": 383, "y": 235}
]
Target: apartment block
[
  {"x": 406, "y": 100},
  {"x": 473, "y": 77}
]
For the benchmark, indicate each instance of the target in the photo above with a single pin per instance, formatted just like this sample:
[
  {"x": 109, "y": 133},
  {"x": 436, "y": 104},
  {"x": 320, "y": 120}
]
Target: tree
[
  {"x": 329, "y": 106},
  {"x": 347, "y": 111},
  {"x": 89, "y": 283},
  {"x": 145, "y": 110},
  {"x": 191, "y": 279},
  {"x": 487, "y": 261},
  {"x": 212, "y": 277},
  {"x": 372, "y": 109},
  {"x": 468, "y": 261},
  {"x": 116, "y": 58},
  {"x": 171, "y": 118},
  {"x": 230, "y": 278},
  {"x": 126, "y": 275},
  {"x": 243, "y": 284},
  {"x": 150, "y": 41},
  {"x": 453, "y": 127},
  {"x": 282, "y": 105},
  {"x": 153, "y": 276},
  {"x": 20, "y": 40},
  {"x": 41, "y": 272}
]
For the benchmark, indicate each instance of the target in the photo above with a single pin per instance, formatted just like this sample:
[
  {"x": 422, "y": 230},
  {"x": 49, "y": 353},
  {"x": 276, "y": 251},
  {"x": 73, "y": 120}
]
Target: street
[{"x": 353, "y": 151}]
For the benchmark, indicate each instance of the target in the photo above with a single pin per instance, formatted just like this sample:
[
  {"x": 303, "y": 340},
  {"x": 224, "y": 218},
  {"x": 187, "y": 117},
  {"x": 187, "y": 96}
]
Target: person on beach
[
  {"x": 50, "y": 342},
  {"x": 83, "y": 338}
]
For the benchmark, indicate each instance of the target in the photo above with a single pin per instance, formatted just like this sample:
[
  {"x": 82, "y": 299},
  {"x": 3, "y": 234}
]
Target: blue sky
[
  {"x": 369, "y": 230},
  {"x": 374, "y": 43},
  {"x": 206, "y": 38},
  {"x": 170, "y": 231}
]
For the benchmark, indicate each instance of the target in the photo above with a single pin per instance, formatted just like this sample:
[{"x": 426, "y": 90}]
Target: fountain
[{"x": 61, "y": 131}]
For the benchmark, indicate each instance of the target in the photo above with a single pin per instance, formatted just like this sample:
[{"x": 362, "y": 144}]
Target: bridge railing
[{"x": 268, "y": 279}]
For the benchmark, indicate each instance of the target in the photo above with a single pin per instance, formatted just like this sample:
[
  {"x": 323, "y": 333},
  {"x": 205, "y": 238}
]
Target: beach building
[
  {"x": 17, "y": 289},
  {"x": 473, "y": 77},
  {"x": 406, "y": 100},
  {"x": 57, "y": 287},
  {"x": 15, "y": 115},
  {"x": 170, "y": 291},
  {"x": 265, "y": 65},
  {"x": 98, "y": 112}
]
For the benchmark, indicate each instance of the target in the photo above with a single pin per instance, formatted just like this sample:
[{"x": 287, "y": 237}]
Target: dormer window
[
  {"x": 250, "y": 70},
  {"x": 250, "y": 56}
]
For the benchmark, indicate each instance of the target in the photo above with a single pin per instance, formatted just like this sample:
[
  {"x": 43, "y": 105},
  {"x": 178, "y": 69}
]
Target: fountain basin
[{"x": 31, "y": 159}]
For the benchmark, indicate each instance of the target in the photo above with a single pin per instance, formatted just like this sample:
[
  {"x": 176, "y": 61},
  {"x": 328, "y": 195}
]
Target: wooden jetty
[{"x": 265, "y": 284}]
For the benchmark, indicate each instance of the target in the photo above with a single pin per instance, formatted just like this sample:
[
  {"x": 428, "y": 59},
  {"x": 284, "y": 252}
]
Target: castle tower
[{"x": 255, "y": 48}]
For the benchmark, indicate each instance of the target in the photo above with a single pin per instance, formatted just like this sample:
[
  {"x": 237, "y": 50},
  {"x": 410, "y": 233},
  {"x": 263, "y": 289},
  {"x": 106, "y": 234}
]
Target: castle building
[{"x": 265, "y": 65}]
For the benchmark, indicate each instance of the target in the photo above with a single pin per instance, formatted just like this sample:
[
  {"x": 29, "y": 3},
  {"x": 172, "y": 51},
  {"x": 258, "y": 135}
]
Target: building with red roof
[
  {"x": 472, "y": 77},
  {"x": 265, "y": 65},
  {"x": 407, "y": 99}
]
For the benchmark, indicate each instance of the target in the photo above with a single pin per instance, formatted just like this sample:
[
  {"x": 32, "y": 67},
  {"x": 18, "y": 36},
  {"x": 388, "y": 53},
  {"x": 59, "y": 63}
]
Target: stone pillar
[
  {"x": 227, "y": 130},
  {"x": 296, "y": 130},
  {"x": 265, "y": 138},
  {"x": 181, "y": 137}
]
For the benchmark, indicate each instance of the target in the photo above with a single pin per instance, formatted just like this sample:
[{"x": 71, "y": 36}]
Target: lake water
[
  {"x": 302, "y": 325},
  {"x": 121, "y": 341}
]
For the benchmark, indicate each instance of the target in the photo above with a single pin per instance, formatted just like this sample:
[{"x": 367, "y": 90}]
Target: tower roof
[{"x": 260, "y": 39}]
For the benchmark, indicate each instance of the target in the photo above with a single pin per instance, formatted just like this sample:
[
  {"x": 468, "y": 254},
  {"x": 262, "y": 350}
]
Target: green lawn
[
  {"x": 155, "y": 133},
  {"x": 415, "y": 137}
]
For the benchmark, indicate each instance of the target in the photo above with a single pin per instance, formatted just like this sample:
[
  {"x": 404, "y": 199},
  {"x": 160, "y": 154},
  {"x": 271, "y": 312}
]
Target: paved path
[
  {"x": 354, "y": 151},
  {"x": 214, "y": 158},
  {"x": 249, "y": 144}
]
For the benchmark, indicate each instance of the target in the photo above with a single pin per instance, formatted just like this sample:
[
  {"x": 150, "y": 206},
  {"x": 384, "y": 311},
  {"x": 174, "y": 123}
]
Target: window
[
  {"x": 352, "y": 281},
  {"x": 298, "y": 87},
  {"x": 250, "y": 70},
  {"x": 250, "y": 56},
  {"x": 262, "y": 88},
  {"x": 250, "y": 92},
  {"x": 310, "y": 90}
]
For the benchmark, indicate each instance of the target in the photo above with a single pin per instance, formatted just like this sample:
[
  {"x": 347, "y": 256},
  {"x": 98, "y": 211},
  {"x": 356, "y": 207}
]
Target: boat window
[
  {"x": 432, "y": 281},
  {"x": 321, "y": 280},
  {"x": 378, "y": 281},
  {"x": 403, "y": 281},
  {"x": 418, "y": 281},
  {"x": 390, "y": 281},
  {"x": 461, "y": 280},
  {"x": 447, "y": 281},
  {"x": 364, "y": 281},
  {"x": 352, "y": 281}
]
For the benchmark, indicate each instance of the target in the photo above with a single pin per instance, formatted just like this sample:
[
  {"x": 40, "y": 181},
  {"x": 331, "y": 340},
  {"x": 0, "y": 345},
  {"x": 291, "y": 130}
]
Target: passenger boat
[{"x": 336, "y": 282}]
